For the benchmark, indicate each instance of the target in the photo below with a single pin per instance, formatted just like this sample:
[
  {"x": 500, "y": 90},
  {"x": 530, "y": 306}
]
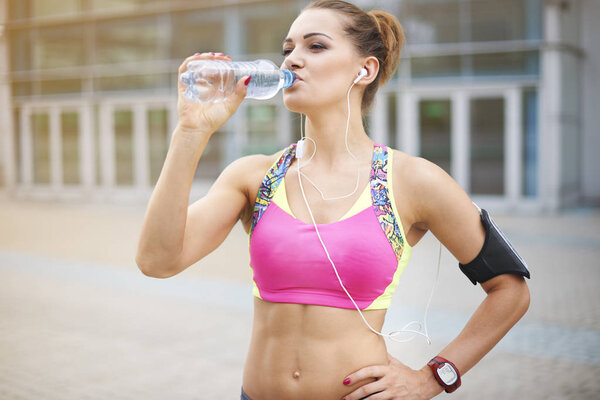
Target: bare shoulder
[
  {"x": 425, "y": 186},
  {"x": 434, "y": 201},
  {"x": 420, "y": 177}
]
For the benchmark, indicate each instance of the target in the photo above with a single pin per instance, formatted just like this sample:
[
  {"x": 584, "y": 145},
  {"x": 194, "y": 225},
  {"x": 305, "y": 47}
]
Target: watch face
[{"x": 447, "y": 374}]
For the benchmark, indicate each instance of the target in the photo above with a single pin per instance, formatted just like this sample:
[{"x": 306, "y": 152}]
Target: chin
[{"x": 299, "y": 104}]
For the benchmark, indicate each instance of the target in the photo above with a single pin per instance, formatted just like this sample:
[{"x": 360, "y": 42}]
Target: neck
[{"x": 327, "y": 128}]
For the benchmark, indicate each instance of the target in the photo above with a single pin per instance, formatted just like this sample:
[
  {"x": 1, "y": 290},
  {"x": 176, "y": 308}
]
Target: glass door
[
  {"x": 40, "y": 147},
  {"x": 475, "y": 135},
  {"x": 435, "y": 117},
  {"x": 487, "y": 155}
]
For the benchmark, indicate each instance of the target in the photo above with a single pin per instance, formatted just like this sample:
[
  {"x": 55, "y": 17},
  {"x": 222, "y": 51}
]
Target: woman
[{"x": 308, "y": 340}]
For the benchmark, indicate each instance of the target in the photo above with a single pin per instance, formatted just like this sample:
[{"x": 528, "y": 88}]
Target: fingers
[
  {"x": 241, "y": 87},
  {"x": 367, "y": 390},
  {"x": 373, "y": 371}
]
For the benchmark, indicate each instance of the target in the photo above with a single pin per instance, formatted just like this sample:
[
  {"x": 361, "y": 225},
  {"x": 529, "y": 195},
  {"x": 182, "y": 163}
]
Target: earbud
[
  {"x": 300, "y": 148},
  {"x": 363, "y": 72}
]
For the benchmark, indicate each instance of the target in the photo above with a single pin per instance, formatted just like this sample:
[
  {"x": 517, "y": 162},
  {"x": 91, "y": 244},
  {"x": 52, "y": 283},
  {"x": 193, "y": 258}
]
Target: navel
[{"x": 296, "y": 374}]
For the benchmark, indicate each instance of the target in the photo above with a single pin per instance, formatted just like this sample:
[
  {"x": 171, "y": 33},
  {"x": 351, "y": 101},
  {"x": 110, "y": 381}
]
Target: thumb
[{"x": 241, "y": 87}]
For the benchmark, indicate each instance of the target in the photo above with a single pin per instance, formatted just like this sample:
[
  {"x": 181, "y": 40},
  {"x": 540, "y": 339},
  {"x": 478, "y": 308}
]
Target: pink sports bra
[{"x": 367, "y": 244}]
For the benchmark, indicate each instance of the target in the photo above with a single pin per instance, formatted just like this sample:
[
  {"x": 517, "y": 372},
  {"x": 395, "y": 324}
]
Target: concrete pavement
[{"x": 79, "y": 321}]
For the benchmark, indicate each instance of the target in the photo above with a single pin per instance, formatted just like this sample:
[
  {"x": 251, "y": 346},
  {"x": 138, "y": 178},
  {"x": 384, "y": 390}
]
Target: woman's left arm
[{"x": 440, "y": 205}]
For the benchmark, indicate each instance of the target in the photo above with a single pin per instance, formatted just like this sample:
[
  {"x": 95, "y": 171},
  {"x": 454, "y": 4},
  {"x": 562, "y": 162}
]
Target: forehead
[{"x": 317, "y": 20}]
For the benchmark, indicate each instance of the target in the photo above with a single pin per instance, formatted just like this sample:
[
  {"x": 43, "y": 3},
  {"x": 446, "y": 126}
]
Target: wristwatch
[{"x": 445, "y": 373}]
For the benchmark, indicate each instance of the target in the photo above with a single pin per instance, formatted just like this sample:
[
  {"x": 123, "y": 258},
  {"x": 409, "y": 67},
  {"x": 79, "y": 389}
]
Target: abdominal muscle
[{"x": 300, "y": 351}]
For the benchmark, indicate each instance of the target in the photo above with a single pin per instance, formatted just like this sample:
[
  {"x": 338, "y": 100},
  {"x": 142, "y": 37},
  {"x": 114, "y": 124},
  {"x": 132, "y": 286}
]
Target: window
[
  {"x": 157, "y": 140},
  {"x": 20, "y": 49},
  {"x": 59, "y": 47},
  {"x": 530, "y": 136},
  {"x": 70, "y": 147},
  {"x": 265, "y": 35},
  {"x": 22, "y": 9},
  {"x": 262, "y": 130},
  {"x": 430, "y": 67},
  {"x": 40, "y": 133},
  {"x": 127, "y": 40},
  {"x": 431, "y": 22},
  {"x": 493, "y": 20},
  {"x": 522, "y": 63},
  {"x": 487, "y": 146},
  {"x": 123, "y": 125},
  {"x": 120, "y": 4},
  {"x": 193, "y": 33},
  {"x": 435, "y": 120}
]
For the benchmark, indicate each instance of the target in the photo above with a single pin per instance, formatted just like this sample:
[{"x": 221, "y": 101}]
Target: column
[
  {"x": 56, "y": 178},
  {"x": 87, "y": 164},
  {"x": 410, "y": 124},
  {"x": 460, "y": 142},
  {"x": 236, "y": 129},
  {"x": 550, "y": 95},
  {"x": 141, "y": 153},
  {"x": 7, "y": 159},
  {"x": 379, "y": 129},
  {"x": 513, "y": 143},
  {"x": 107, "y": 146},
  {"x": 26, "y": 148}
]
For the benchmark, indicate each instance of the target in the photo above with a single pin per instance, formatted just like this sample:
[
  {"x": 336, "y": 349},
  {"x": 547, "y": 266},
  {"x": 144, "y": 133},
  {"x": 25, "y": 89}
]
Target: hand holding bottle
[{"x": 207, "y": 117}]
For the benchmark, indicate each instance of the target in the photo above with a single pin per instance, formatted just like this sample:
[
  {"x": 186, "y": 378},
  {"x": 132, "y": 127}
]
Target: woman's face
[{"x": 324, "y": 60}]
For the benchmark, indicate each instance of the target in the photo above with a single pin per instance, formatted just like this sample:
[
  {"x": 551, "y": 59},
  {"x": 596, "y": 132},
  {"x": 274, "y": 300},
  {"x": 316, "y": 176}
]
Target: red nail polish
[
  {"x": 247, "y": 81},
  {"x": 347, "y": 381}
]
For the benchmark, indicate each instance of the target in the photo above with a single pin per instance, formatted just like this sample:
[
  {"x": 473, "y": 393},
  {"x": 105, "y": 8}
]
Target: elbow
[
  {"x": 154, "y": 269},
  {"x": 512, "y": 291},
  {"x": 524, "y": 297},
  {"x": 519, "y": 296}
]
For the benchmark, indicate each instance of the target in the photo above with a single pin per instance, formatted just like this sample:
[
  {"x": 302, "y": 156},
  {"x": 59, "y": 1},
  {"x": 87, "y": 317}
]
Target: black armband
[{"x": 496, "y": 257}]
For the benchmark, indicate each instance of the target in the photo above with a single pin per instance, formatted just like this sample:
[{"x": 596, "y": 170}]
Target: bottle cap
[{"x": 288, "y": 78}]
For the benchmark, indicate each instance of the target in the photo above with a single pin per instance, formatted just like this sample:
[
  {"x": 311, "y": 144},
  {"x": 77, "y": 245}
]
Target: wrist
[
  {"x": 429, "y": 386},
  {"x": 192, "y": 133}
]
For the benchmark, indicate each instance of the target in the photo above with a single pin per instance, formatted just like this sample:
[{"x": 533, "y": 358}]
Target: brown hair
[{"x": 375, "y": 33}]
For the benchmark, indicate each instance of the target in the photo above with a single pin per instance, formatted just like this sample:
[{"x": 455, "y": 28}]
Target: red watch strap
[{"x": 434, "y": 363}]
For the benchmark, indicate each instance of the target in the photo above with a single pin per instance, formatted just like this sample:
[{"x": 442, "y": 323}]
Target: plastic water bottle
[{"x": 214, "y": 80}]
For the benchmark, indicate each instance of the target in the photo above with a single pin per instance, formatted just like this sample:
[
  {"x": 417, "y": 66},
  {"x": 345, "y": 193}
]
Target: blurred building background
[{"x": 501, "y": 94}]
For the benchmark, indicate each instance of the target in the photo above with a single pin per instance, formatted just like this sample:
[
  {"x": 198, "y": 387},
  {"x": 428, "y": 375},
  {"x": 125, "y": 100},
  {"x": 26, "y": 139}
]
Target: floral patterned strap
[
  {"x": 271, "y": 182},
  {"x": 382, "y": 202}
]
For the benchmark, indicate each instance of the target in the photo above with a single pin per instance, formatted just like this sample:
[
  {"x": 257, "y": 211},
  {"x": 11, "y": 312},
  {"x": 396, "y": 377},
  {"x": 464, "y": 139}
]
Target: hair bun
[
  {"x": 376, "y": 33},
  {"x": 392, "y": 36}
]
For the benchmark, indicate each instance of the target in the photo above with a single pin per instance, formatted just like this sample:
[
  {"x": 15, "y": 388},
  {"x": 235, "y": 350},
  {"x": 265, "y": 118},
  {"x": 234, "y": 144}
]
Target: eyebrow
[{"x": 308, "y": 35}]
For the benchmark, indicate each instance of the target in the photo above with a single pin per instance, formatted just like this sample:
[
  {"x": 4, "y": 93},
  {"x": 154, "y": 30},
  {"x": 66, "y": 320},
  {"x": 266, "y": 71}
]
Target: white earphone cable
[
  {"x": 302, "y": 137},
  {"x": 392, "y": 335}
]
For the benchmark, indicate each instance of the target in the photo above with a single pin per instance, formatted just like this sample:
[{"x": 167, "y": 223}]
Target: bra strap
[
  {"x": 382, "y": 204},
  {"x": 271, "y": 182}
]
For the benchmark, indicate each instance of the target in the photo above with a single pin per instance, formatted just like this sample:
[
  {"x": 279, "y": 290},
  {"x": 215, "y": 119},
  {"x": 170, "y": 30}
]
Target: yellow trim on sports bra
[{"x": 363, "y": 202}]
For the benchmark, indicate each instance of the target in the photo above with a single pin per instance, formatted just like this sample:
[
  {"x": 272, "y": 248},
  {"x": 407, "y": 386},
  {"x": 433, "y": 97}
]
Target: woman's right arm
[{"x": 174, "y": 236}]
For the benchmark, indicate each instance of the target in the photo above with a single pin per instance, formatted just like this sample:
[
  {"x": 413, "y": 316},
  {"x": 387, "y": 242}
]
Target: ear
[{"x": 371, "y": 64}]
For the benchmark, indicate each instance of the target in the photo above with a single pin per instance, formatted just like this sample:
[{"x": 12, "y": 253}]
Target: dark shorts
[{"x": 245, "y": 396}]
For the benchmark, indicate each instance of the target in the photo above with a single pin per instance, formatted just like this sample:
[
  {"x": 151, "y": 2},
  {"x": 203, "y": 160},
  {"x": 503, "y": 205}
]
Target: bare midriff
[{"x": 300, "y": 351}]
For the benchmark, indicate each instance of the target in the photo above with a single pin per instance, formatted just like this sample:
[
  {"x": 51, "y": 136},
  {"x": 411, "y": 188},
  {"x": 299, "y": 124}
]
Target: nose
[{"x": 293, "y": 61}]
